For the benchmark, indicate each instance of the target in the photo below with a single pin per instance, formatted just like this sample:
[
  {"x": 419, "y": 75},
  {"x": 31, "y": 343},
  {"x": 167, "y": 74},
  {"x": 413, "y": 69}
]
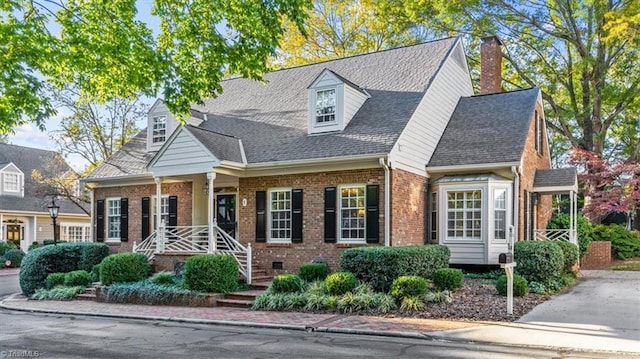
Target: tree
[
  {"x": 611, "y": 185},
  {"x": 102, "y": 49},
  {"x": 4, "y": 138},
  {"x": 57, "y": 179},
  {"x": 94, "y": 132}
]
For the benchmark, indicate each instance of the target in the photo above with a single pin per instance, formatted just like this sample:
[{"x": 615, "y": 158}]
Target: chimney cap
[{"x": 491, "y": 38}]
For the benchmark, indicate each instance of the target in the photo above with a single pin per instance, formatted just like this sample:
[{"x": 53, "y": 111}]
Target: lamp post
[{"x": 53, "y": 212}]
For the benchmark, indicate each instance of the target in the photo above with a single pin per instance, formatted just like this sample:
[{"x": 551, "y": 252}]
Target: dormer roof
[{"x": 341, "y": 78}]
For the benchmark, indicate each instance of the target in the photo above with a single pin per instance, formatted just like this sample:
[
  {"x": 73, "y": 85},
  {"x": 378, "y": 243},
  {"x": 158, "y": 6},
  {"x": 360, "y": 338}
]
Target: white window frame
[
  {"x": 318, "y": 110},
  {"x": 342, "y": 225},
  {"x": 158, "y": 134},
  {"x": 433, "y": 218},
  {"x": 8, "y": 186},
  {"x": 500, "y": 205},
  {"x": 270, "y": 228},
  {"x": 164, "y": 208},
  {"x": 66, "y": 228},
  {"x": 109, "y": 216},
  {"x": 467, "y": 215}
]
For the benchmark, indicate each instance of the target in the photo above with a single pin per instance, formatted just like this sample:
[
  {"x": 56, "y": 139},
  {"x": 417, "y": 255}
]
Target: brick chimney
[{"x": 490, "y": 65}]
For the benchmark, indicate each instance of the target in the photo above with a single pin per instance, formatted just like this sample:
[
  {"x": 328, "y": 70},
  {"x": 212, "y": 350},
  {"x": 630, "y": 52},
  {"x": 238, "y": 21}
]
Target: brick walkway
[{"x": 241, "y": 316}]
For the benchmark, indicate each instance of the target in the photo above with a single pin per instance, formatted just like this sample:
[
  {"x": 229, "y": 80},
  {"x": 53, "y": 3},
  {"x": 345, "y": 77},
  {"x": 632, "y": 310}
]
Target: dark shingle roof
[
  {"x": 556, "y": 177},
  {"x": 225, "y": 148},
  {"x": 36, "y": 195},
  {"x": 487, "y": 129},
  {"x": 132, "y": 159}
]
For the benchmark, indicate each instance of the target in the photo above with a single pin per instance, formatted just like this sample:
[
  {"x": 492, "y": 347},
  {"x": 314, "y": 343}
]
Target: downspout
[
  {"x": 387, "y": 201},
  {"x": 516, "y": 200}
]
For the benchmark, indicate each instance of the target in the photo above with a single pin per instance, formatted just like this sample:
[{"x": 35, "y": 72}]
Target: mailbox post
[{"x": 507, "y": 263}]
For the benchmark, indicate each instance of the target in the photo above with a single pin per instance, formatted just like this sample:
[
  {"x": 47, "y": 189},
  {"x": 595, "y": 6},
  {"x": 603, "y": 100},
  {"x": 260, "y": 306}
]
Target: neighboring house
[
  {"x": 386, "y": 148},
  {"x": 24, "y": 200}
]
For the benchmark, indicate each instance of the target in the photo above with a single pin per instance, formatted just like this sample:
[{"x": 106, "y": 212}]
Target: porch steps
[
  {"x": 239, "y": 299},
  {"x": 89, "y": 294}
]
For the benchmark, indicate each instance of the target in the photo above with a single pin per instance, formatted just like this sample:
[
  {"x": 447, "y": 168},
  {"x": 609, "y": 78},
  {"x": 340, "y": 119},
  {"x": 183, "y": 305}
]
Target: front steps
[
  {"x": 260, "y": 282},
  {"x": 89, "y": 294}
]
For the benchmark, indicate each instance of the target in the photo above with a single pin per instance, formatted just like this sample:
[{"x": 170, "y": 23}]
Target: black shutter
[
  {"x": 373, "y": 227},
  {"x": 145, "y": 218},
  {"x": 124, "y": 219},
  {"x": 261, "y": 216},
  {"x": 100, "y": 220},
  {"x": 296, "y": 216},
  {"x": 330, "y": 214},
  {"x": 173, "y": 211}
]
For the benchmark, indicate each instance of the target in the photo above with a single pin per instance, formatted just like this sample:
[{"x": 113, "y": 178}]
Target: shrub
[
  {"x": 144, "y": 292},
  {"x": 412, "y": 304},
  {"x": 55, "y": 279},
  {"x": 37, "y": 264},
  {"x": 340, "y": 282},
  {"x": 124, "y": 268},
  {"x": 439, "y": 297},
  {"x": 380, "y": 266},
  {"x": 537, "y": 260},
  {"x": 215, "y": 273},
  {"x": 78, "y": 278},
  {"x": 408, "y": 286},
  {"x": 5, "y": 246},
  {"x": 48, "y": 242},
  {"x": 287, "y": 283},
  {"x": 58, "y": 293},
  {"x": 34, "y": 245},
  {"x": 520, "y": 287},
  {"x": 570, "y": 254},
  {"x": 15, "y": 256},
  {"x": 624, "y": 244},
  {"x": 164, "y": 278},
  {"x": 584, "y": 230},
  {"x": 95, "y": 273},
  {"x": 2, "y": 260},
  {"x": 310, "y": 272},
  {"x": 448, "y": 279}
]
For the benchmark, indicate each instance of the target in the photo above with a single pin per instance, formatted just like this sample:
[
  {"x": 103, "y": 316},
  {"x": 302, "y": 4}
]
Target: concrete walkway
[{"x": 602, "y": 313}]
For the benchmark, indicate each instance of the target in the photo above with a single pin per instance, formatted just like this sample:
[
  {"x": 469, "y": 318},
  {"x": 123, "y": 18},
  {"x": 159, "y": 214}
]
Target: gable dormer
[
  {"x": 160, "y": 125},
  {"x": 11, "y": 180},
  {"x": 333, "y": 101}
]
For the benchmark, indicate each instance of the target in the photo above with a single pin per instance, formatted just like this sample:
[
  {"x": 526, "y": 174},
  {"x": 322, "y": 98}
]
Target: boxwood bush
[
  {"x": 380, "y": 266},
  {"x": 448, "y": 279},
  {"x": 624, "y": 244},
  {"x": 520, "y": 286},
  {"x": 55, "y": 279},
  {"x": 570, "y": 254},
  {"x": 5, "y": 246},
  {"x": 408, "y": 286},
  {"x": 214, "y": 273},
  {"x": 124, "y": 268},
  {"x": 310, "y": 272},
  {"x": 95, "y": 273},
  {"x": 78, "y": 278},
  {"x": 15, "y": 256},
  {"x": 538, "y": 261},
  {"x": 287, "y": 283},
  {"x": 340, "y": 283},
  {"x": 39, "y": 263}
]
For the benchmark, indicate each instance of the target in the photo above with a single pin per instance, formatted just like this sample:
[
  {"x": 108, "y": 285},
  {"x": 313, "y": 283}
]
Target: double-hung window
[
  {"x": 164, "y": 211},
  {"x": 464, "y": 215},
  {"x": 113, "y": 219},
  {"x": 500, "y": 214},
  {"x": 11, "y": 182},
  {"x": 280, "y": 215},
  {"x": 351, "y": 222},
  {"x": 325, "y": 106},
  {"x": 159, "y": 133}
]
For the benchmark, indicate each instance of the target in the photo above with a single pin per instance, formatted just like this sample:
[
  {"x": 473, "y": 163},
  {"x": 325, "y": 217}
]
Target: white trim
[
  {"x": 339, "y": 228},
  {"x": 106, "y": 216},
  {"x": 555, "y": 189},
  {"x": 27, "y": 213},
  {"x": 270, "y": 214},
  {"x": 462, "y": 168}
]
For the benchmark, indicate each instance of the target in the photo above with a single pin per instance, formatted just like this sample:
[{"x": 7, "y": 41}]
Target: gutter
[
  {"x": 516, "y": 170},
  {"x": 387, "y": 200},
  {"x": 480, "y": 166}
]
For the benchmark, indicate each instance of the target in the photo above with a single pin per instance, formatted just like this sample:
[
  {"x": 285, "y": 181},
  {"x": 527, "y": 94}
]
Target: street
[
  {"x": 60, "y": 336},
  {"x": 9, "y": 284}
]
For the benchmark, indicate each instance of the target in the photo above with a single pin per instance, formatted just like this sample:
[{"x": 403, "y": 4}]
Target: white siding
[
  {"x": 159, "y": 109},
  {"x": 467, "y": 253},
  {"x": 494, "y": 251},
  {"x": 353, "y": 100},
  {"x": 183, "y": 155},
  {"x": 416, "y": 144}
]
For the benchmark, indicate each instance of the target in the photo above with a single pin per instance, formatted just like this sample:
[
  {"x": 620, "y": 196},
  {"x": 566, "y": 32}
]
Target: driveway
[{"x": 602, "y": 312}]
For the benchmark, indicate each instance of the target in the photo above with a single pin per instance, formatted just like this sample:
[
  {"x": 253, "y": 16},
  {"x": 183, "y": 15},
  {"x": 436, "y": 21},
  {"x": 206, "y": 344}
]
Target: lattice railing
[{"x": 566, "y": 235}]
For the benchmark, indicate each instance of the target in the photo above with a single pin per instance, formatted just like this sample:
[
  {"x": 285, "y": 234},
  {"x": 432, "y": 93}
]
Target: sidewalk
[{"x": 604, "y": 322}]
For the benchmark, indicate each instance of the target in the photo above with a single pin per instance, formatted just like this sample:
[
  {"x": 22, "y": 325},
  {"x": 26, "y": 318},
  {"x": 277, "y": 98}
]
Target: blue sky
[{"x": 30, "y": 136}]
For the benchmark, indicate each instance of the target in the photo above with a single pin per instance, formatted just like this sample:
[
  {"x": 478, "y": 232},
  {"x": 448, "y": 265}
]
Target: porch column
[
  {"x": 211, "y": 176},
  {"x": 91, "y": 218},
  {"x": 572, "y": 217},
  {"x": 34, "y": 238},
  {"x": 2, "y": 239},
  {"x": 159, "y": 227}
]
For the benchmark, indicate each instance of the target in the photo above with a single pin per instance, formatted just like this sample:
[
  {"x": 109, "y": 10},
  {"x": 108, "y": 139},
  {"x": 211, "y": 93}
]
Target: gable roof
[
  {"x": 487, "y": 129},
  {"x": 27, "y": 159},
  {"x": 224, "y": 147},
  {"x": 548, "y": 180},
  {"x": 131, "y": 159}
]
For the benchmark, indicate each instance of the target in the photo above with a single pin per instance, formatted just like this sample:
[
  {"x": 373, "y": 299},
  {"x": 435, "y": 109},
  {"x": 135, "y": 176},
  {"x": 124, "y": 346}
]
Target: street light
[{"x": 53, "y": 213}]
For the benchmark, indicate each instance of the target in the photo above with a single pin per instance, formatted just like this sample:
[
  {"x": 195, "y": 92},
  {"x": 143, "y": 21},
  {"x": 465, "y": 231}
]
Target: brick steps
[{"x": 89, "y": 294}]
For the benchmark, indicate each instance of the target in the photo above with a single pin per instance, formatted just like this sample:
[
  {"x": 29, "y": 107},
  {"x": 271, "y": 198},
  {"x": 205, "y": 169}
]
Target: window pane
[
  {"x": 352, "y": 213},
  {"x": 326, "y": 106},
  {"x": 464, "y": 215},
  {"x": 280, "y": 216}
]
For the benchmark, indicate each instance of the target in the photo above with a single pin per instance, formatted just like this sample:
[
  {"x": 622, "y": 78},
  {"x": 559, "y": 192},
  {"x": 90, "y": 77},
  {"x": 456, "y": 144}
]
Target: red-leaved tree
[{"x": 610, "y": 186}]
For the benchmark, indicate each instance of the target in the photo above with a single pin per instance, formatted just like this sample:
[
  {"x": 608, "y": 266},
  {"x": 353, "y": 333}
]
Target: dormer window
[
  {"x": 325, "y": 106},
  {"x": 159, "y": 129},
  {"x": 11, "y": 182}
]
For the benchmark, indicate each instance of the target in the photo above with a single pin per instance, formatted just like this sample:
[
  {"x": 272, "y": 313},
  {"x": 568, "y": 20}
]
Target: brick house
[
  {"x": 388, "y": 148},
  {"x": 24, "y": 216}
]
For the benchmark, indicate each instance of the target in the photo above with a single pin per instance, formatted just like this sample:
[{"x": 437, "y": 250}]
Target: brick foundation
[{"x": 598, "y": 256}]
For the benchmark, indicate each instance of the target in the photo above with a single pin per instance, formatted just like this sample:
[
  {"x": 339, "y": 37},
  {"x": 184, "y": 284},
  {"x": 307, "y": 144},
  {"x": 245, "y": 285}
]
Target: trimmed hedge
[
  {"x": 538, "y": 261},
  {"x": 408, "y": 286},
  {"x": 624, "y": 244},
  {"x": 39, "y": 263},
  {"x": 95, "y": 273},
  {"x": 78, "y": 278},
  {"x": 213, "y": 273},
  {"x": 55, "y": 279},
  {"x": 520, "y": 286},
  {"x": 310, "y": 272},
  {"x": 287, "y": 283},
  {"x": 5, "y": 246},
  {"x": 380, "y": 266},
  {"x": 15, "y": 256},
  {"x": 448, "y": 279},
  {"x": 124, "y": 268},
  {"x": 570, "y": 253},
  {"x": 339, "y": 283}
]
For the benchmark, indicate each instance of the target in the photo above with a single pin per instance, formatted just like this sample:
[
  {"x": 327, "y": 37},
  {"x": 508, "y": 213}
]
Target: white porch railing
[
  {"x": 566, "y": 235},
  {"x": 195, "y": 240}
]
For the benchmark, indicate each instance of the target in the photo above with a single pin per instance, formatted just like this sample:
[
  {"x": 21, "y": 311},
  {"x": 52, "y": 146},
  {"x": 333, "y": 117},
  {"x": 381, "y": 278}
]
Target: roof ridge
[
  {"x": 505, "y": 92},
  {"x": 27, "y": 147},
  {"x": 210, "y": 131}
]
